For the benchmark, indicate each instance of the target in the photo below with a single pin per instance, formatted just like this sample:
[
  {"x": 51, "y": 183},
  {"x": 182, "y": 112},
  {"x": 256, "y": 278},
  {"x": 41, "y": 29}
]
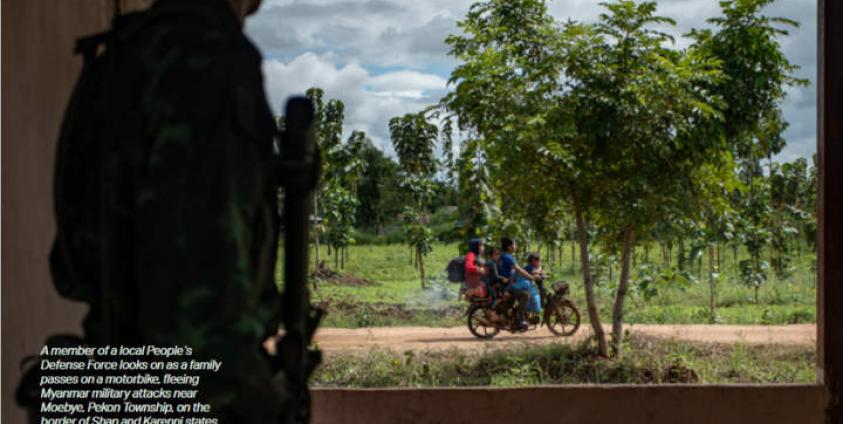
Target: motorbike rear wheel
[
  {"x": 563, "y": 318},
  {"x": 479, "y": 325}
]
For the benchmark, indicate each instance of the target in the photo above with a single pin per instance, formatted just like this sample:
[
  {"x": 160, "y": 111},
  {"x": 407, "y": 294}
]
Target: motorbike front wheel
[
  {"x": 479, "y": 324},
  {"x": 563, "y": 318}
]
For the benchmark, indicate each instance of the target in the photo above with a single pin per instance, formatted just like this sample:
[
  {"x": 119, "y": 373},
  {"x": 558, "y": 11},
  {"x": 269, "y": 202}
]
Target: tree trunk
[
  {"x": 712, "y": 286},
  {"x": 560, "y": 252},
  {"x": 634, "y": 261},
  {"x": 620, "y": 297},
  {"x": 316, "y": 231},
  {"x": 669, "y": 254},
  {"x": 699, "y": 268},
  {"x": 773, "y": 256},
  {"x": 718, "y": 257},
  {"x": 680, "y": 258},
  {"x": 735, "y": 257},
  {"x": 421, "y": 269},
  {"x": 593, "y": 315},
  {"x": 573, "y": 253}
]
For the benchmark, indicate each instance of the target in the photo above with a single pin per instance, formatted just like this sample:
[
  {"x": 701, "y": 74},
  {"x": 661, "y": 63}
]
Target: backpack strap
[{"x": 89, "y": 45}]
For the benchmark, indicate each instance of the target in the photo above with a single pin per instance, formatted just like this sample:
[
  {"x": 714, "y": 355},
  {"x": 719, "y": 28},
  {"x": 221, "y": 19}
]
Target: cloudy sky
[{"x": 384, "y": 58}]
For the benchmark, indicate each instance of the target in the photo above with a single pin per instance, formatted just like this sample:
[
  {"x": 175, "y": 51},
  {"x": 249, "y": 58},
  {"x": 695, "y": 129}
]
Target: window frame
[
  {"x": 769, "y": 403},
  {"x": 830, "y": 205}
]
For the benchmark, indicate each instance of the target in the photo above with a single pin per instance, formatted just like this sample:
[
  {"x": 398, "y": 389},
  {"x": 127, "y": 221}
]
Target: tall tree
[
  {"x": 341, "y": 200},
  {"x": 641, "y": 106},
  {"x": 380, "y": 194},
  {"x": 335, "y": 202},
  {"x": 509, "y": 92},
  {"x": 597, "y": 117},
  {"x": 414, "y": 140},
  {"x": 757, "y": 74},
  {"x": 477, "y": 203},
  {"x": 316, "y": 95},
  {"x": 788, "y": 184}
]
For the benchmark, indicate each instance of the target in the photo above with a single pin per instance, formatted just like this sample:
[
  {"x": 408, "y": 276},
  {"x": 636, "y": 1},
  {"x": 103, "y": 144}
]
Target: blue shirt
[{"x": 507, "y": 265}]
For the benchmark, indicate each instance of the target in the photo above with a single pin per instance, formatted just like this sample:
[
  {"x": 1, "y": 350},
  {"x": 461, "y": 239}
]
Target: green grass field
[
  {"x": 397, "y": 298},
  {"x": 645, "y": 361}
]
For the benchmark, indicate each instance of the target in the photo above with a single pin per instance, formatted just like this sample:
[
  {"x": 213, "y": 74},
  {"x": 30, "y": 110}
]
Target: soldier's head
[{"x": 244, "y": 8}]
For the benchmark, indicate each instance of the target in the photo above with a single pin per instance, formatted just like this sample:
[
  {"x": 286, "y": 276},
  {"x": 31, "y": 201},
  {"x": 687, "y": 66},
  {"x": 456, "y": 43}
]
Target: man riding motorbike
[{"x": 508, "y": 269}]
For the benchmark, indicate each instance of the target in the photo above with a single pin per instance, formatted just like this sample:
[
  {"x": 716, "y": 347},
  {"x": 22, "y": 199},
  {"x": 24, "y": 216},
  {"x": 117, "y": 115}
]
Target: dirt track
[{"x": 333, "y": 340}]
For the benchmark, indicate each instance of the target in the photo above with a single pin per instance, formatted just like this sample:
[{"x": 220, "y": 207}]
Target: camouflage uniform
[{"x": 167, "y": 223}]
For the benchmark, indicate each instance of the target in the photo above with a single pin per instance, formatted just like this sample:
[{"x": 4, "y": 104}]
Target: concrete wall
[
  {"x": 39, "y": 70},
  {"x": 575, "y": 404},
  {"x": 38, "y": 73}
]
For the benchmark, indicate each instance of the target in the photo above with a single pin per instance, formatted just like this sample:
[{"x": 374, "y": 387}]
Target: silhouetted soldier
[{"x": 166, "y": 196}]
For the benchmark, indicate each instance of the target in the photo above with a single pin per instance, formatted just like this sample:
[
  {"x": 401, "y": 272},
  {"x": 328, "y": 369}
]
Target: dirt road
[{"x": 332, "y": 340}]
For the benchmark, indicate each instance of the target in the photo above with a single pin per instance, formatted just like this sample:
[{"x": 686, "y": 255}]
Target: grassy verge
[
  {"x": 396, "y": 298},
  {"x": 357, "y": 315},
  {"x": 646, "y": 361}
]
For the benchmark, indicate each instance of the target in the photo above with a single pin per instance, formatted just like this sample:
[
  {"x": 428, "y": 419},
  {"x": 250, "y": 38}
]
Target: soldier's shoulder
[{"x": 187, "y": 29}]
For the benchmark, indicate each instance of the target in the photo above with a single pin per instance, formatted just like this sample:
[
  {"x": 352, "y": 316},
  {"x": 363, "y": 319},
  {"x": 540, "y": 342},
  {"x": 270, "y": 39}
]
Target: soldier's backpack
[
  {"x": 83, "y": 172},
  {"x": 456, "y": 270}
]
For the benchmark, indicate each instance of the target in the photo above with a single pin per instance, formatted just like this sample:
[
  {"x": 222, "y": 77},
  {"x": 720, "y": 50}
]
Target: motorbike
[{"x": 486, "y": 318}]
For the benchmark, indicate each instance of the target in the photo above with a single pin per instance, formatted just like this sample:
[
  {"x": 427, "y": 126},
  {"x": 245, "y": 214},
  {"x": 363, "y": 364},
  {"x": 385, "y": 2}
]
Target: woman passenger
[{"x": 475, "y": 269}]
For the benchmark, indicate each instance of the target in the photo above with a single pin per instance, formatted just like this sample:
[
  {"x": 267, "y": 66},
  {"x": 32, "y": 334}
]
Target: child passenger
[
  {"x": 534, "y": 267},
  {"x": 493, "y": 278}
]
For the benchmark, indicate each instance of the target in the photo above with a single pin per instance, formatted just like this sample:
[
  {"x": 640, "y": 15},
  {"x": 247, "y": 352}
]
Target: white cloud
[
  {"x": 376, "y": 32},
  {"x": 407, "y": 80},
  {"x": 370, "y": 100},
  {"x": 344, "y": 46}
]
